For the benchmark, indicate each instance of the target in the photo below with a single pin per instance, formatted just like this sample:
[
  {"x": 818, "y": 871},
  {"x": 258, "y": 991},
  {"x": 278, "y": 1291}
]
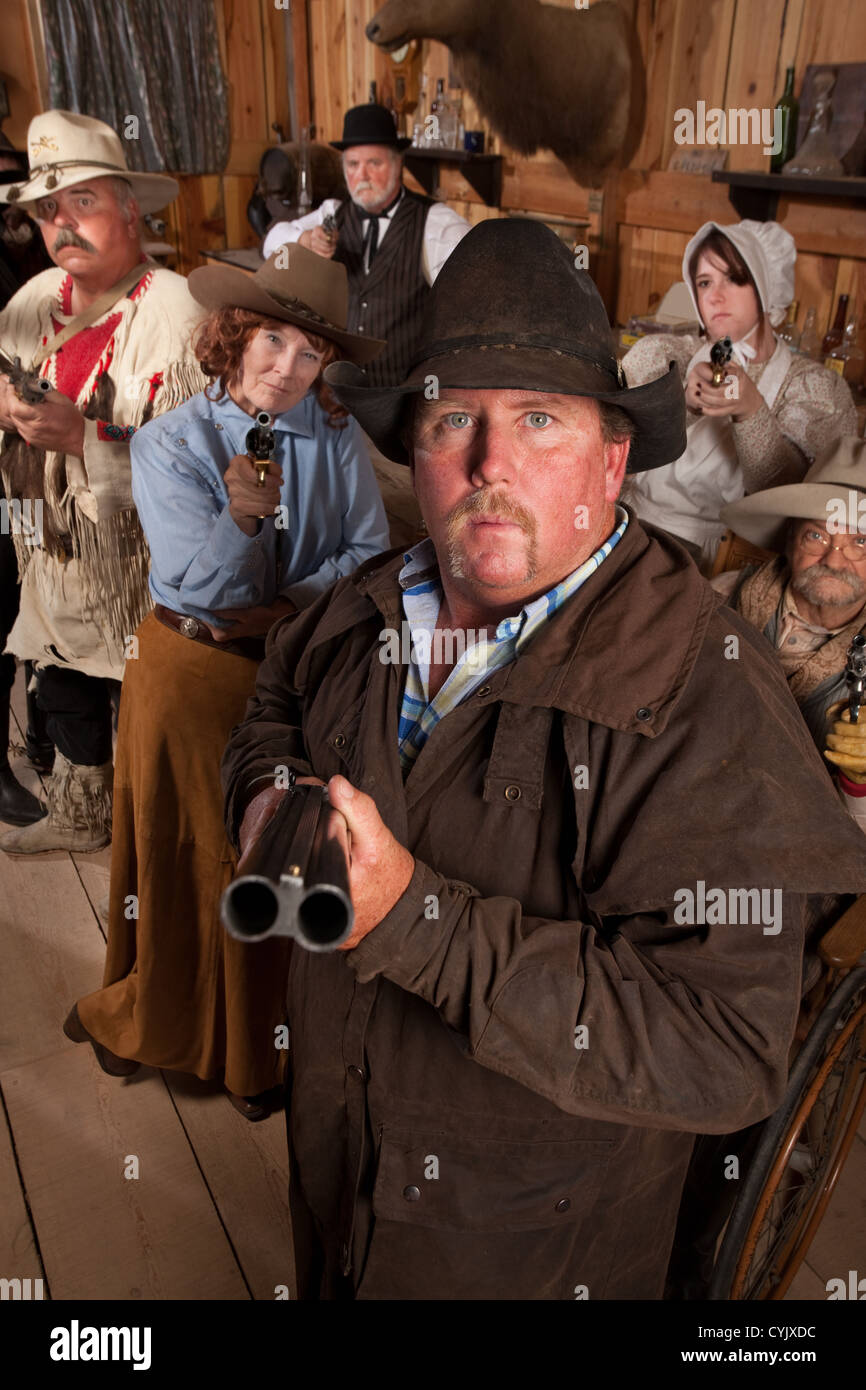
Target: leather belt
[{"x": 193, "y": 628}]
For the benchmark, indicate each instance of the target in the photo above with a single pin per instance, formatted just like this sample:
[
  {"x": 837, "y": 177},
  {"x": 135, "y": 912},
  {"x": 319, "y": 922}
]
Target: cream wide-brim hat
[
  {"x": 833, "y": 488},
  {"x": 65, "y": 148}
]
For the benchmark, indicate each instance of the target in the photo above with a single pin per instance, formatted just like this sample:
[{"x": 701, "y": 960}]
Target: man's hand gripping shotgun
[
  {"x": 297, "y": 876},
  {"x": 28, "y": 386},
  {"x": 855, "y": 675},
  {"x": 260, "y": 447}
]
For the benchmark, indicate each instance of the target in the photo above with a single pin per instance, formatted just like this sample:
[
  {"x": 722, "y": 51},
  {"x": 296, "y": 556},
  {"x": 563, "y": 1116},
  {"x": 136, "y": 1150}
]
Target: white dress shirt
[{"x": 442, "y": 231}]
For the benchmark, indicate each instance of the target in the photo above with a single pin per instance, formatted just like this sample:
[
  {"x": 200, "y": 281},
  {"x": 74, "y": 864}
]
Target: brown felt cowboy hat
[
  {"x": 509, "y": 310},
  {"x": 832, "y": 492},
  {"x": 66, "y": 148},
  {"x": 294, "y": 285}
]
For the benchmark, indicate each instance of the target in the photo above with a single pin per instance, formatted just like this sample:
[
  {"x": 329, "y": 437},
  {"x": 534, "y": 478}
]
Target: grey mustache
[{"x": 65, "y": 237}]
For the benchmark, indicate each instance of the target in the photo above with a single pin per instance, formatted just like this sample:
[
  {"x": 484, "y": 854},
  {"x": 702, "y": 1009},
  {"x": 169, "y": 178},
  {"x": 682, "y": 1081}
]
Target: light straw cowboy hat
[
  {"x": 510, "y": 310},
  {"x": 65, "y": 148},
  {"x": 834, "y": 486},
  {"x": 294, "y": 285}
]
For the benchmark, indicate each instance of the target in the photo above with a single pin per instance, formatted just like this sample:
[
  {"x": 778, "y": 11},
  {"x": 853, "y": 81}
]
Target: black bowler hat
[
  {"x": 509, "y": 310},
  {"x": 369, "y": 125}
]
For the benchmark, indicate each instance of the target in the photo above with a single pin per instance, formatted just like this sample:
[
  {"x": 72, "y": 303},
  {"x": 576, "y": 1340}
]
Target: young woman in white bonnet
[{"x": 764, "y": 425}]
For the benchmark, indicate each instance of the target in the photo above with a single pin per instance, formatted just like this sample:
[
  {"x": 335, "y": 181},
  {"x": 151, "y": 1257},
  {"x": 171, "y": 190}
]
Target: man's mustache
[
  {"x": 852, "y": 582},
  {"x": 66, "y": 237},
  {"x": 490, "y": 503}
]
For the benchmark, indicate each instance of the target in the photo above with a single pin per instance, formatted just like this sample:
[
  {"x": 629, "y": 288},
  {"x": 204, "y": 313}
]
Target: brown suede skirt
[{"x": 178, "y": 992}]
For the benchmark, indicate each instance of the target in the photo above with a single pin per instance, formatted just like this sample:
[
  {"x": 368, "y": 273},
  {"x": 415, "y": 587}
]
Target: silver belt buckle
[{"x": 190, "y": 627}]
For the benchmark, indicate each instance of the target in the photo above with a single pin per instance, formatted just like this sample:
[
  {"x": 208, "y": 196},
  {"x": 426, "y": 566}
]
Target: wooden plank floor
[{"x": 206, "y": 1217}]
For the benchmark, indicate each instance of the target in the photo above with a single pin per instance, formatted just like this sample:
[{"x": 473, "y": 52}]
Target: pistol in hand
[
  {"x": 720, "y": 356},
  {"x": 28, "y": 386},
  {"x": 260, "y": 446}
]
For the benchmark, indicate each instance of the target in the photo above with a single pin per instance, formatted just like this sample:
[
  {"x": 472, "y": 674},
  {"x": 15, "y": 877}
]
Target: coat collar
[{"x": 618, "y": 653}]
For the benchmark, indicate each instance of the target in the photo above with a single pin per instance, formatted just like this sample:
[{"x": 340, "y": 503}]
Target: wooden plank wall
[
  {"x": 728, "y": 53},
  {"x": 724, "y": 52}
]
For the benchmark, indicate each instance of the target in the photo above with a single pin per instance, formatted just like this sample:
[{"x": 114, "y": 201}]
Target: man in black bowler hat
[
  {"x": 547, "y": 765},
  {"x": 392, "y": 242}
]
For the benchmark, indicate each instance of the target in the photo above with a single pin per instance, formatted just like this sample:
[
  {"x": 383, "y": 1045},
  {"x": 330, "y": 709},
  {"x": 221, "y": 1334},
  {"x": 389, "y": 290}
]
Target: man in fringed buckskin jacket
[{"x": 110, "y": 331}]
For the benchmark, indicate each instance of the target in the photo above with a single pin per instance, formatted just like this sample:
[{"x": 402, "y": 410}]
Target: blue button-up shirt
[{"x": 330, "y": 519}]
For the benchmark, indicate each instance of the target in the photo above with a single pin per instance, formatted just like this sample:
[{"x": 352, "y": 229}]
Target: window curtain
[{"x": 156, "y": 60}]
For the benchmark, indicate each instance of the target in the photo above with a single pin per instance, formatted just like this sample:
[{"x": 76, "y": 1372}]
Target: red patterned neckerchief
[{"x": 77, "y": 359}]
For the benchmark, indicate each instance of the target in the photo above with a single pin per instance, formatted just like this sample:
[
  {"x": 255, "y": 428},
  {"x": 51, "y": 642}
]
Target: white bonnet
[{"x": 769, "y": 252}]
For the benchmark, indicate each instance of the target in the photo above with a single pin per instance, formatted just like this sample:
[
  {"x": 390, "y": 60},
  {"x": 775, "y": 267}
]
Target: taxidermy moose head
[{"x": 571, "y": 80}]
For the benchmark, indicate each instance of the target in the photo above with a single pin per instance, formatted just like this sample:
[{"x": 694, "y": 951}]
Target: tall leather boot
[
  {"x": 18, "y": 806},
  {"x": 79, "y": 812},
  {"x": 40, "y": 749}
]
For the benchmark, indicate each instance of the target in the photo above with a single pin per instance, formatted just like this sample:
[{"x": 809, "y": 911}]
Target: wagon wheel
[{"x": 800, "y": 1155}]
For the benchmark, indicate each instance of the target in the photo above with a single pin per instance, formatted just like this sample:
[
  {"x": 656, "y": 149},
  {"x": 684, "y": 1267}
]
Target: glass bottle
[
  {"x": 847, "y": 358},
  {"x": 810, "y": 338},
  {"x": 434, "y": 120},
  {"x": 815, "y": 157},
  {"x": 833, "y": 336},
  {"x": 453, "y": 122},
  {"x": 789, "y": 333},
  {"x": 418, "y": 128},
  {"x": 790, "y": 109}
]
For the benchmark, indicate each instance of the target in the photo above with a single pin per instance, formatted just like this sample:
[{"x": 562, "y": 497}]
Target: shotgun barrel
[{"x": 297, "y": 877}]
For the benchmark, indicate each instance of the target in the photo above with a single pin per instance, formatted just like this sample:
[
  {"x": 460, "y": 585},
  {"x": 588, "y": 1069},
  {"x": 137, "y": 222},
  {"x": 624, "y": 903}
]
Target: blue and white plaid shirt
[{"x": 477, "y": 654}]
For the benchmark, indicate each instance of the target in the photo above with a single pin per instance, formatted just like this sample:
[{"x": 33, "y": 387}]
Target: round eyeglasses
[{"x": 815, "y": 542}]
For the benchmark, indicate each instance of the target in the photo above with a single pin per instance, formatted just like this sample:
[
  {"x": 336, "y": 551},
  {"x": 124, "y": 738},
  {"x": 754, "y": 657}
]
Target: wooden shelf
[
  {"x": 757, "y": 195},
  {"x": 482, "y": 171}
]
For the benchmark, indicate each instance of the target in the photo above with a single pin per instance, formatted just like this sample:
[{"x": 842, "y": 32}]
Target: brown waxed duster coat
[{"x": 448, "y": 1139}]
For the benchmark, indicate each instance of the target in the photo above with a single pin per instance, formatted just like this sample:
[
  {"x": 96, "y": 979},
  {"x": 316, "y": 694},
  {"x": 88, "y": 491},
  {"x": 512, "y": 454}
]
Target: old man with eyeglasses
[{"x": 811, "y": 601}]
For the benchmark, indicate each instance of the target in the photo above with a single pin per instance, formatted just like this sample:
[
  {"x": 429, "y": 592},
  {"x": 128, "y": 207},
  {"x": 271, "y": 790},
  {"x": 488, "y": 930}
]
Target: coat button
[
  {"x": 643, "y": 714},
  {"x": 512, "y": 793},
  {"x": 564, "y": 1204},
  {"x": 182, "y": 442},
  {"x": 357, "y": 1072},
  {"x": 412, "y": 1194},
  {"x": 482, "y": 691},
  {"x": 340, "y": 741},
  {"x": 218, "y": 427}
]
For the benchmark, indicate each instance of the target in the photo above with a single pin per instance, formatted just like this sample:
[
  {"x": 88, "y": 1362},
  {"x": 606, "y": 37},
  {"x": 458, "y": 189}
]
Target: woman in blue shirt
[{"x": 230, "y": 556}]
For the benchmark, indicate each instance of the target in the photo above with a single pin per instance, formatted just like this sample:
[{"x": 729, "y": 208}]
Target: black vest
[{"x": 389, "y": 302}]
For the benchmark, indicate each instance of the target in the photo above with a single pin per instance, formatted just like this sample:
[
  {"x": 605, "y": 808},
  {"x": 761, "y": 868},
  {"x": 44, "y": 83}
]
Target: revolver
[
  {"x": 27, "y": 385},
  {"x": 855, "y": 675},
  {"x": 260, "y": 445},
  {"x": 720, "y": 356}
]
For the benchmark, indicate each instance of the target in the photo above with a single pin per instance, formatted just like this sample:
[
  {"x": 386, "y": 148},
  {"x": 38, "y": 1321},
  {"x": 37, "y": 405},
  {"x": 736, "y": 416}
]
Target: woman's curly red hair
[{"x": 221, "y": 340}]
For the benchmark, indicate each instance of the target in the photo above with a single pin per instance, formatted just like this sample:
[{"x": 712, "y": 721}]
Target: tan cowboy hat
[
  {"x": 65, "y": 148},
  {"x": 294, "y": 285},
  {"x": 831, "y": 492}
]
